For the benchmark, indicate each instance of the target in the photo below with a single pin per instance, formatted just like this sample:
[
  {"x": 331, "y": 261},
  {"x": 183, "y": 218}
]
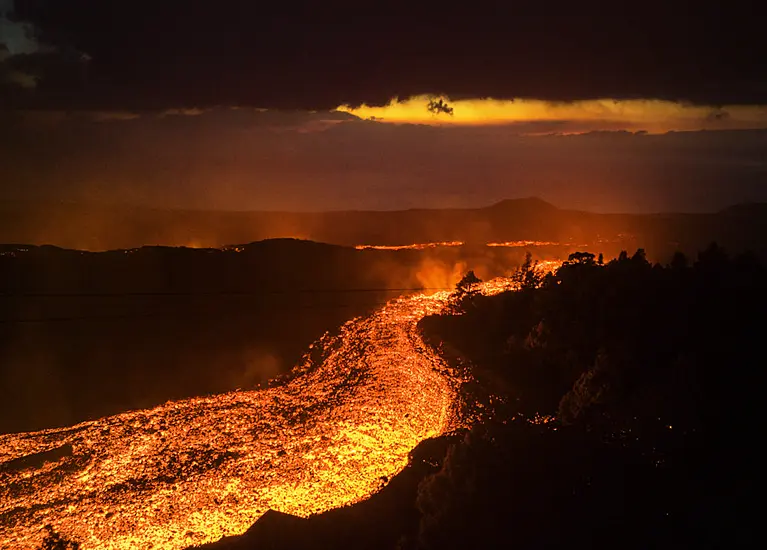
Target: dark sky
[
  {"x": 136, "y": 54},
  {"x": 230, "y": 104}
]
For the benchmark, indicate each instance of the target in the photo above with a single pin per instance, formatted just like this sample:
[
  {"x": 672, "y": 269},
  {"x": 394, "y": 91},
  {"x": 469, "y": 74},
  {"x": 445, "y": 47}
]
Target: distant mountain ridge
[{"x": 92, "y": 227}]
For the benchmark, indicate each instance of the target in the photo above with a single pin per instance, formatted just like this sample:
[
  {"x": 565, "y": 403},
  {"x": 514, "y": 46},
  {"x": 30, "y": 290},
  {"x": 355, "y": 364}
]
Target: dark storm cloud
[{"x": 173, "y": 53}]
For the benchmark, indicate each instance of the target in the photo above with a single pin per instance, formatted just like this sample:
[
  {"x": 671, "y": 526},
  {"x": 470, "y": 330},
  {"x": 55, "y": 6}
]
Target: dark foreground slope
[
  {"x": 615, "y": 406},
  {"x": 653, "y": 374},
  {"x": 98, "y": 227}
]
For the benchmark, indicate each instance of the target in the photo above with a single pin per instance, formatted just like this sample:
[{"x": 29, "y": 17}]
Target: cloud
[
  {"x": 106, "y": 116},
  {"x": 42, "y": 79},
  {"x": 18, "y": 36},
  {"x": 193, "y": 111},
  {"x": 173, "y": 55},
  {"x": 536, "y": 116},
  {"x": 34, "y": 70},
  {"x": 21, "y": 79}
]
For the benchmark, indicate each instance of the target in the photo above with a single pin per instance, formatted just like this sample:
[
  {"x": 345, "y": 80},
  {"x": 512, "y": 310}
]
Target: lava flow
[
  {"x": 193, "y": 471},
  {"x": 416, "y": 246}
]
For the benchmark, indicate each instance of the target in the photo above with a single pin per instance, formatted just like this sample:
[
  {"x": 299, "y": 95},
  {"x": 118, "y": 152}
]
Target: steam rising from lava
[{"x": 193, "y": 471}]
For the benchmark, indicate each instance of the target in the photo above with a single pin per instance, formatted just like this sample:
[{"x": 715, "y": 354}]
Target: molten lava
[
  {"x": 416, "y": 246},
  {"x": 522, "y": 244},
  {"x": 193, "y": 471}
]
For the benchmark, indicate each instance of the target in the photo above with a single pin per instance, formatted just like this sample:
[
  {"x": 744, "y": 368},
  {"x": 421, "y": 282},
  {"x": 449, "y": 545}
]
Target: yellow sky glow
[{"x": 651, "y": 115}]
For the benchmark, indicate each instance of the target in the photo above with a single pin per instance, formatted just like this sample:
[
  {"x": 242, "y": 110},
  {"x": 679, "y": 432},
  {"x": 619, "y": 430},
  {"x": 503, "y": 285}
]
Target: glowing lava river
[{"x": 193, "y": 471}]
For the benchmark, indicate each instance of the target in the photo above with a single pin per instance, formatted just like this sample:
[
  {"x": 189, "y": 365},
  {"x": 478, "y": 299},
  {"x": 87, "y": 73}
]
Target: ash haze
[{"x": 249, "y": 159}]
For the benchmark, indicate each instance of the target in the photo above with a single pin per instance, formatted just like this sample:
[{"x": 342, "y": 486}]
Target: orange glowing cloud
[{"x": 654, "y": 116}]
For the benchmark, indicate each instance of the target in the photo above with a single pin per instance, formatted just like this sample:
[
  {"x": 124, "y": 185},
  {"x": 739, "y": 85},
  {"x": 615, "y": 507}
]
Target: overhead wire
[{"x": 186, "y": 313}]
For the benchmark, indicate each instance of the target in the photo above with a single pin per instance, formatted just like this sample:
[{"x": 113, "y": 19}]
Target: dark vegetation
[
  {"x": 614, "y": 405},
  {"x": 653, "y": 374}
]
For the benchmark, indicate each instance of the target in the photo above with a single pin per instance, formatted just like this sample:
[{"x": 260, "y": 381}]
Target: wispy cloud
[
  {"x": 654, "y": 116},
  {"x": 193, "y": 111},
  {"x": 105, "y": 116},
  {"x": 22, "y": 79}
]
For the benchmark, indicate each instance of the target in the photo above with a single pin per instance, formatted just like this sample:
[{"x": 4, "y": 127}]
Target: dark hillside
[
  {"x": 643, "y": 381},
  {"x": 100, "y": 227}
]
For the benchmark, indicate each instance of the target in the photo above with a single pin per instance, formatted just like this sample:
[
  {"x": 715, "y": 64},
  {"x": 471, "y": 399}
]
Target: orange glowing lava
[
  {"x": 416, "y": 246},
  {"x": 521, "y": 244},
  {"x": 548, "y": 266},
  {"x": 424, "y": 246},
  {"x": 193, "y": 471}
]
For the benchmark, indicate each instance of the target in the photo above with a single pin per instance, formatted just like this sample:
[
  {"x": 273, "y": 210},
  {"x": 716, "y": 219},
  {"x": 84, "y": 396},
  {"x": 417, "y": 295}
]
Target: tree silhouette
[
  {"x": 679, "y": 261},
  {"x": 439, "y": 106},
  {"x": 640, "y": 256},
  {"x": 465, "y": 291},
  {"x": 582, "y": 258},
  {"x": 468, "y": 284},
  {"x": 527, "y": 276}
]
